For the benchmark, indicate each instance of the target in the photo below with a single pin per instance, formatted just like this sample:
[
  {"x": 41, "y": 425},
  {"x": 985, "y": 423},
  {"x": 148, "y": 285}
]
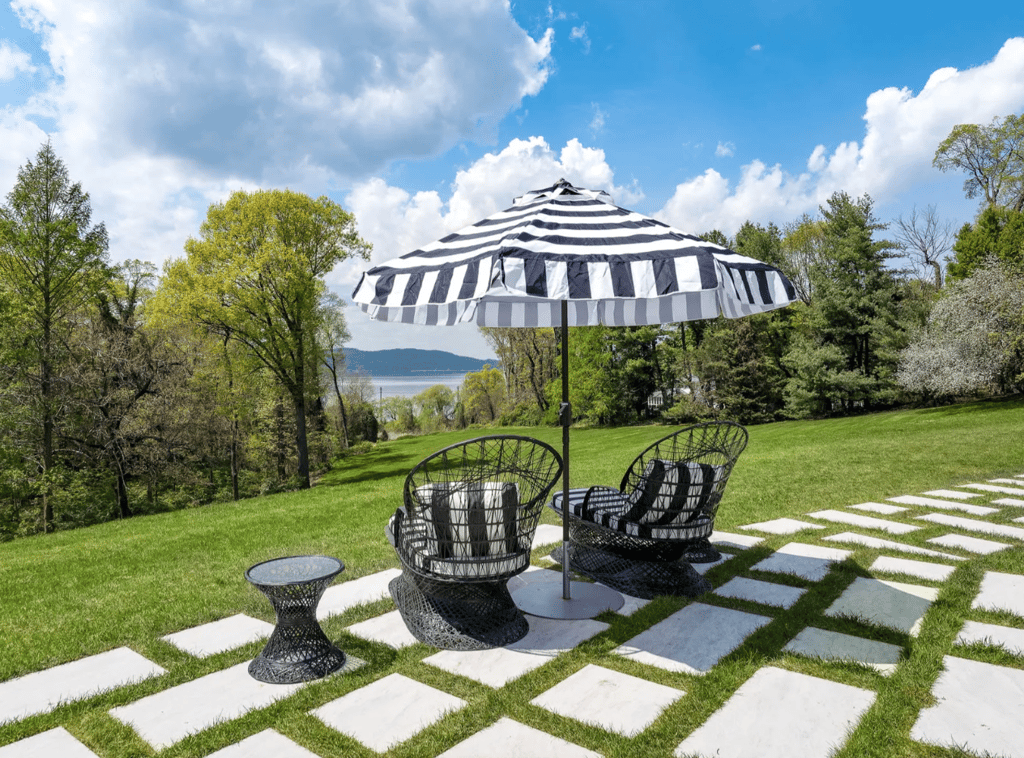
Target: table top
[{"x": 295, "y": 569}]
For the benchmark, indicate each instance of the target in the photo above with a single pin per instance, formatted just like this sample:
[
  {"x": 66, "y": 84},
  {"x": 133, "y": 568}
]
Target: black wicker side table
[{"x": 298, "y": 650}]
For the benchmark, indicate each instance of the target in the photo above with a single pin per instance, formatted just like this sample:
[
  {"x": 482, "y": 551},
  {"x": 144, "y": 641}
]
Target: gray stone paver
[
  {"x": 834, "y": 646},
  {"x": 692, "y": 640},
  {"x": 42, "y": 691},
  {"x": 1007, "y": 637},
  {"x": 780, "y": 714},
  {"x": 388, "y": 711},
  {"x": 338, "y": 598},
  {"x": 55, "y": 743},
  {"x": 782, "y": 526},
  {"x": 265, "y": 744},
  {"x": 973, "y": 525},
  {"x": 980, "y": 706},
  {"x": 218, "y": 636},
  {"x": 608, "y": 699},
  {"x": 766, "y": 593},
  {"x": 894, "y": 605},
  {"x": 936, "y": 572},
  {"x": 931, "y": 502},
  {"x": 955, "y": 494},
  {"x": 883, "y": 508},
  {"x": 995, "y": 488},
  {"x": 853, "y": 538},
  {"x": 1009, "y": 501},
  {"x": 738, "y": 541},
  {"x": 388, "y": 629},
  {"x": 506, "y": 738},
  {"x": 865, "y": 522},
  {"x": 1001, "y": 592},
  {"x": 809, "y": 562},
  {"x": 970, "y": 544},
  {"x": 547, "y": 534}
]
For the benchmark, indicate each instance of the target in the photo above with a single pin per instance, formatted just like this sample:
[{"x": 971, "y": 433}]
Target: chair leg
[
  {"x": 633, "y": 576},
  {"x": 701, "y": 551},
  {"x": 457, "y": 616}
]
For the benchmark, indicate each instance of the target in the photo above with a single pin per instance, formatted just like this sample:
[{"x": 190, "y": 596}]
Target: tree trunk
[
  {"x": 279, "y": 447},
  {"x": 300, "y": 439},
  {"x": 121, "y": 489},
  {"x": 341, "y": 407},
  {"x": 234, "y": 458}
]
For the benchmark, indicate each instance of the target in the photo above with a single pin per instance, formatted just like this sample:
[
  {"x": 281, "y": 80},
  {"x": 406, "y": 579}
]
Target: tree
[
  {"x": 927, "y": 239},
  {"x": 803, "y": 251},
  {"x": 255, "y": 275},
  {"x": 992, "y": 157},
  {"x": 998, "y": 233},
  {"x": 483, "y": 395},
  {"x": 333, "y": 335},
  {"x": 437, "y": 407},
  {"x": 51, "y": 262}
]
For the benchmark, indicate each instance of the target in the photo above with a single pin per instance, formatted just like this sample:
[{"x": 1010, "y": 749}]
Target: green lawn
[{"x": 72, "y": 594}]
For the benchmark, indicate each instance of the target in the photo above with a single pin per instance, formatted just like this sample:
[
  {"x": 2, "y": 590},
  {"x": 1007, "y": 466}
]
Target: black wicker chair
[
  {"x": 466, "y": 527},
  {"x": 641, "y": 538}
]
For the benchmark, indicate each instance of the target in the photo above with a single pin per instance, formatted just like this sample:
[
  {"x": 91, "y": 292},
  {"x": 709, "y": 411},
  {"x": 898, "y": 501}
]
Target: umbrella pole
[{"x": 565, "y": 416}]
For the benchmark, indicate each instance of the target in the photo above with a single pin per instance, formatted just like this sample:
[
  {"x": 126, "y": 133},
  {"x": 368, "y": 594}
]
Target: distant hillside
[{"x": 407, "y": 361}]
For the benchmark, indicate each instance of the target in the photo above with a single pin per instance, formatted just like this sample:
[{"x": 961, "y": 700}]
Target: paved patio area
[{"x": 978, "y": 706}]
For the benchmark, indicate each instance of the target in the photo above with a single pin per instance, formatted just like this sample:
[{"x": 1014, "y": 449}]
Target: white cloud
[
  {"x": 580, "y": 33},
  {"x": 901, "y": 133},
  {"x": 597, "y": 122},
  {"x": 756, "y": 47},
  {"x": 13, "y": 60},
  {"x": 725, "y": 150}
]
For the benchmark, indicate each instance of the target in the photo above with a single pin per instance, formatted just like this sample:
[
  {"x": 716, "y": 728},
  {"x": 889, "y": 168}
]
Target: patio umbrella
[{"x": 567, "y": 256}]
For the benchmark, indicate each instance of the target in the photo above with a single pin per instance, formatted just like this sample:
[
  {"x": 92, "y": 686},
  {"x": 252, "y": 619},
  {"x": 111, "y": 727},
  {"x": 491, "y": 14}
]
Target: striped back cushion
[
  {"x": 672, "y": 493},
  {"x": 474, "y": 520}
]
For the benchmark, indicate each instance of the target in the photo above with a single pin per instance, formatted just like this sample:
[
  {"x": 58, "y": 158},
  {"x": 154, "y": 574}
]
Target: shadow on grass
[{"x": 978, "y": 406}]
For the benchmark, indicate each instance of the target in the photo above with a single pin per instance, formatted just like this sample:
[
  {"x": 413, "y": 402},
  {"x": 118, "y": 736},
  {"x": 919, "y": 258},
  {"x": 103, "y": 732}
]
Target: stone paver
[
  {"x": 339, "y": 598},
  {"x": 209, "y": 639},
  {"x": 833, "y": 646},
  {"x": 1009, "y": 501},
  {"x": 973, "y": 525},
  {"x": 738, "y": 541},
  {"x": 1001, "y": 592},
  {"x": 980, "y": 707},
  {"x": 387, "y": 712},
  {"x": 894, "y": 605},
  {"x": 55, "y": 743},
  {"x": 767, "y": 593},
  {"x": 887, "y": 510},
  {"x": 782, "y": 526},
  {"x": 388, "y": 629},
  {"x": 995, "y": 488},
  {"x": 265, "y": 744},
  {"x": 506, "y": 738},
  {"x": 608, "y": 699},
  {"x": 547, "y": 534},
  {"x": 809, "y": 562},
  {"x": 775, "y": 708},
  {"x": 936, "y": 572},
  {"x": 852, "y": 538},
  {"x": 703, "y": 568},
  {"x": 693, "y": 639},
  {"x": 930, "y": 502},
  {"x": 866, "y": 522},
  {"x": 955, "y": 494},
  {"x": 42, "y": 691},
  {"x": 970, "y": 544},
  {"x": 1007, "y": 637},
  {"x": 546, "y": 639}
]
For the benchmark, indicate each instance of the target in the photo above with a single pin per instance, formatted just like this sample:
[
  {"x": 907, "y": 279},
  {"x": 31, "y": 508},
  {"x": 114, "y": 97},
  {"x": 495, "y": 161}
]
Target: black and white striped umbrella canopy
[{"x": 564, "y": 243}]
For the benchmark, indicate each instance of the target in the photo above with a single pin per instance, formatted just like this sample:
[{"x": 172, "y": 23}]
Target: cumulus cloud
[
  {"x": 902, "y": 130},
  {"x": 13, "y": 60},
  {"x": 580, "y": 33},
  {"x": 597, "y": 122},
  {"x": 755, "y": 47},
  {"x": 725, "y": 150}
]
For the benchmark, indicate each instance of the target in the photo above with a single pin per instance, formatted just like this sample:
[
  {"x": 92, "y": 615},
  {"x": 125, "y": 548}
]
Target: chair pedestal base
[
  {"x": 456, "y": 616},
  {"x": 701, "y": 551}
]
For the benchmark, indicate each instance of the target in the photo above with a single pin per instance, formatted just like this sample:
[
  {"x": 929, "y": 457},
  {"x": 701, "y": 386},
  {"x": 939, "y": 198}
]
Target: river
[{"x": 409, "y": 386}]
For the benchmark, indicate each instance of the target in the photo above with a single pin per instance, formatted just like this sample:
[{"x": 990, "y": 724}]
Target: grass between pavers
[{"x": 73, "y": 594}]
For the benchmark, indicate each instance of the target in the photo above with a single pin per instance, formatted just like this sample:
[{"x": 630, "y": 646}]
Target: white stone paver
[
  {"x": 767, "y": 593},
  {"x": 693, "y": 639},
  {"x": 833, "y": 646},
  {"x": 506, "y": 738},
  {"x": 894, "y": 605},
  {"x": 955, "y": 494},
  {"x": 937, "y": 572},
  {"x": 1001, "y": 592},
  {"x": 167, "y": 717},
  {"x": 882, "y": 508},
  {"x": 783, "y": 714},
  {"x": 42, "y": 691},
  {"x": 980, "y": 707},
  {"x": 782, "y": 526},
  {"x": 1016, "y": 482},
  {"x": 209, "y": 639},
  {"x": 388, "y": 629},
  {"x": 1010, "y": 639},
  {"x": 995, "y": 488},
  {"x": 973, "y": 525},
  {"x": 546, "y": 639},
  {"x": 1009, "y": 501},
  {"x": 55, "y": 743},
  {"x": 866, "y": 522},
  {"x": 265, "y": 744},
  {"x": 387, "y": 712},
  {"x": 809, "y": 562},
  {"x": 703, "y": 568},
  {"x": 547, "y": 534},
  {"x": 738, "y": 541},
  {"x": 609, "y": 699},
  {"x": 970, "y": 544},
  {"x": 852, "y": 538},
  {"x": 339, "y": 598},
  {"x": 930, "y": 502}
]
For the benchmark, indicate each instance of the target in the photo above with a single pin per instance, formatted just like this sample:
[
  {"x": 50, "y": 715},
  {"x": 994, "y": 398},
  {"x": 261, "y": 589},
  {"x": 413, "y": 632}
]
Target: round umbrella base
[{"x": 587, "y": 600}]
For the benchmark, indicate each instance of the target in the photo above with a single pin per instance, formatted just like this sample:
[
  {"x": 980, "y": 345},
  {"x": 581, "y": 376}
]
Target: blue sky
[{"x": 422, "y": 116}]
